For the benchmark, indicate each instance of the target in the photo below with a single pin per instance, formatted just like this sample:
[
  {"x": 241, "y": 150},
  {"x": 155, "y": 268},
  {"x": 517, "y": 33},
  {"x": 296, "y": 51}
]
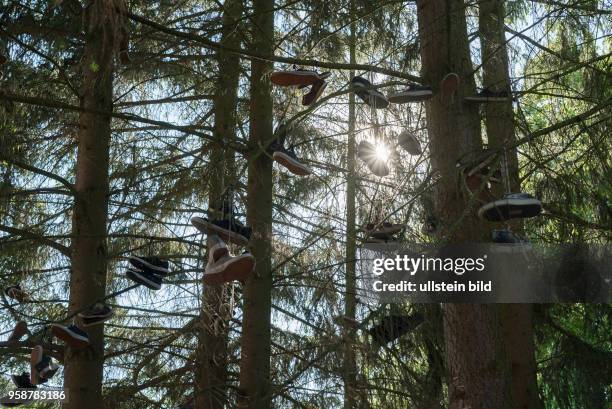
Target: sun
[{"x": 382, "y": 152}]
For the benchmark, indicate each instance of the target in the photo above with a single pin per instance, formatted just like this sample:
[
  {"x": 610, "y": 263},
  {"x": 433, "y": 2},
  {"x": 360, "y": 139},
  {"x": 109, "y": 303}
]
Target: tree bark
[
  {"x": 255, "y": 384},
  {"x": 350, "y": 296},
  {"x": 516, "y": 319},
  {"x": 212, "y": 353},
  {"x": 84, "y": 368},
  {"x": 475, "y": 358}
]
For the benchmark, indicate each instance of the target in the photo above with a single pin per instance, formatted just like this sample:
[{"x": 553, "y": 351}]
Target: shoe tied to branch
[{"x": 96, "y": 314}]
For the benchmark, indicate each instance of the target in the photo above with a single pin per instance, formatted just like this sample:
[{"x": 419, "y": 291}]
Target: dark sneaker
[
  {"x": 229, "y": 268},
  {"x": 96, "y": 314},
  {"x": 486, "y": 95},
  {"x": 412, "y": 93},
  {"x": 512, "y": 206},
  {"x": 21, "y": 329},
  {"x": 394, "y": 327},
  {"x": 366, "y": 92},
  {"x": 146, "y": 278},
  {"x": 449, "y": 86},
  {"x": 229, "y": 230},
  {"x": 16, "y": 293},
  {"x": 289, "y": 160},
  {"x": 22, "y": 381},
  {"x": 410, "y": 143},
  {"x": 505, "y": 236},
  {"x": 71, "y": 335},
  {"x": 316, "y": 90},
  {"x": 367, "y": 152},
  {"x": 298, "y": 77},
  {"x": 42, "y": 367},
  {"x": 153, "y": 264}
]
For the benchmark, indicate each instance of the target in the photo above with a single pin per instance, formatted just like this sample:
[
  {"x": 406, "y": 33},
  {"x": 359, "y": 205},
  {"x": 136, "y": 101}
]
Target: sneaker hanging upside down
[{"x": 222, "y": 267}]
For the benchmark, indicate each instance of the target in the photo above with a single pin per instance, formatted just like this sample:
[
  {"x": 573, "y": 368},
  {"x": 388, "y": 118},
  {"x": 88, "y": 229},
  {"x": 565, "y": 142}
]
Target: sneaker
[
  {"x": 316, "y": 90},
  {"x": 412, "y": 93},
  {"x": 367, "y": 153},
  {"x": 298, "y": 77},
  {"x": 449, "y": 86},
  {"x": 229, "y": 268},
  {"x": 146, "y": 278},
  {"x": 365, "y": 91},
  {"x": 153, "y": 264},
  {"x": 410, "y": 143},
  {"x": 394, "y": 327},
  {"x": 486, "y": 95},
  {"x": 21, "y": 329},
  {"x": 289, "y": 160},
  {"x": 379, "y": 168},
  {"x": 22, "y": 381},
  {"x": 505, "y": 236},
  {"x": 383, "y": 230},
  {"x": 71, "y": 335},
  {"x": 512, "y": 206},
  {"x": 96, "y": 314},
  {"x": 42, "y": 367},
  {"x": 16, "y": 293},
  {"x": 229, "y": 230}
]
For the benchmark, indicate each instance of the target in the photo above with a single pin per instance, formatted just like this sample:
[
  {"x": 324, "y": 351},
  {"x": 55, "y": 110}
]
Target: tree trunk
[
  {"x": 475, "y": 357},
  {"x": 212, "y": 353},
  {"x": 350, "y": 296},
  {"x": 255, "y": 385},
  {"x": 84, "y": 368},
  {"x": 499, "y": 120}
]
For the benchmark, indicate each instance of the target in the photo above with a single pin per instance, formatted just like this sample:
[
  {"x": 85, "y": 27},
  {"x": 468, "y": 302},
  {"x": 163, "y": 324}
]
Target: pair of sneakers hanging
[
  {"x": 148, "y": 271},
  {"x": 301, "y": 79},
  {"x": 223, "y": 223},
  {"x": 376, "y": 99}
]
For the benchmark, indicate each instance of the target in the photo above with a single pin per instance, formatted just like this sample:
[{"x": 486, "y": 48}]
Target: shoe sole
[
  {"x": 69, "y": 337},
  {"x": 35, "y": 357},
  {"x": 293, "y": 78},
  {"x": 506, "y": 209},
  {"x": 236, "y": 269},
  {"x": 291, "y": 164},
  {"x": 90, "y": 322},
  {"x": 138, "y": 263},
  {"x": 405, "y": 98},
  {"x": 206, "y": 227},
  {"x": 140, "y": 279}
]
